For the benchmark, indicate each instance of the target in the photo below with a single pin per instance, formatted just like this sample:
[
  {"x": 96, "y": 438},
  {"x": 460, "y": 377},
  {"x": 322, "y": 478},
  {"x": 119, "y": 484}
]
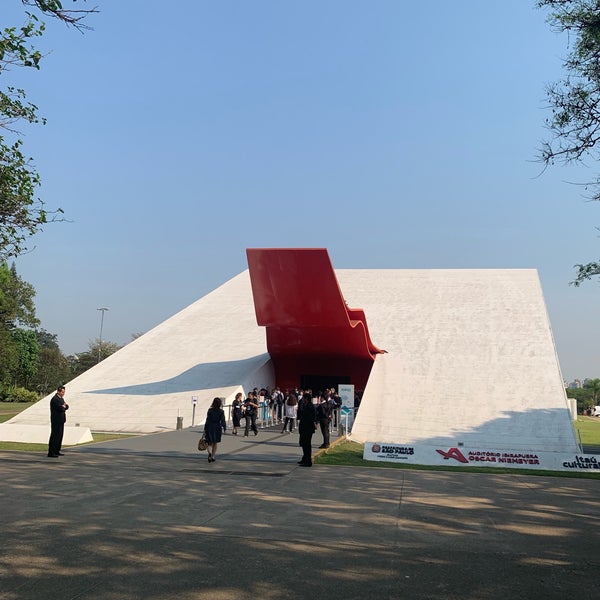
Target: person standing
[
  {"x": 236, "y": 412},
  {"x": 58, "y": 418},
  {"x": 307, "y": 423},
  {"x": 290, "y": 412},
  {"x": 336, "y": 406},
  {"x": 324, "y": 418},
  {"x": 214, "y": 425},
  {"x": 251, "y": 409}
]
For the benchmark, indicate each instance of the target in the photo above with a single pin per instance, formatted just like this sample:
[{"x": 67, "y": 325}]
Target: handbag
[{"x": 202, "y": 443}]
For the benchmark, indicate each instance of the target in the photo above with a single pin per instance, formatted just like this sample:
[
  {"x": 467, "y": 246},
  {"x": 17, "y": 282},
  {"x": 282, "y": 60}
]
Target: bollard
[{"x": 179, "y": 422}]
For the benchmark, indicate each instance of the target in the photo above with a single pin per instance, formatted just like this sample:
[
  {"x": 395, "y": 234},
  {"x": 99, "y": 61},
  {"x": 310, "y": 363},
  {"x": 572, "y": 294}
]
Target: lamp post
[{"x": 103, "y": 310}]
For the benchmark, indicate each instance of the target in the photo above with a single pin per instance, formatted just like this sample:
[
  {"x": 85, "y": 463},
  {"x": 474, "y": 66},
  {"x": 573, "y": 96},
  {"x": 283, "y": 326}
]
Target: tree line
[
  {"x": 587, "y": 396},
  {"x": 31, "y": 362}
]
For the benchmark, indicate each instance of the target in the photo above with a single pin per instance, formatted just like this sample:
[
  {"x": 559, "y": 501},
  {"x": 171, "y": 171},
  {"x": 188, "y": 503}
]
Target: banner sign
[
  {"x": 420, "y": 454},
  {"x": 346, "y": 393}
]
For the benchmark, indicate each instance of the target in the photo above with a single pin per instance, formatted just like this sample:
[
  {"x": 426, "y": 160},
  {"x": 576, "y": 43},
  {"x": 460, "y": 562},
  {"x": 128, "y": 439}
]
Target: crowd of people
[{"x": 292, "y": 408}]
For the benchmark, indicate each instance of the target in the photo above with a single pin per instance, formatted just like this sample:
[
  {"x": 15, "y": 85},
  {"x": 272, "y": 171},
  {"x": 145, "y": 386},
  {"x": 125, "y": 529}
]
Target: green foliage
[
  {"x": 575, "y": 101},
  {"x": 53, "y": 368},
  {"x": 97, "y": 352},
  {"x": 19, "y": 348},
  {"x": 593, "y": 386},
  {"x": 28, "y": 352},
  {"x": 586, "y": 272},
  {"x": 587, "y": 397},
  {"x": 582, "y": 396},
  {"x": 18, "y": 394},
  {"x": 16, "y": 300},
  {"x": 22, "y": 214}
]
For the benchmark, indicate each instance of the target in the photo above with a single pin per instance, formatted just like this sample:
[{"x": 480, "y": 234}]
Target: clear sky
[{"x": 396, "y": 134}]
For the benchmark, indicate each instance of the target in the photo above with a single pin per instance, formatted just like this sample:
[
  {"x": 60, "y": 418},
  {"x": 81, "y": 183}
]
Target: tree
[
  {"x": 17, "y": 319},
  {"x": 575, "y": 101},
  {"x": 582, "y": 396},
  {"x": 97, "y": 352},
  {"x": 22, "y": 214},
  {"x": 53, "y": 368},
  {"x": 594, "y": 388},
  {"x": 16, "y": 300}
]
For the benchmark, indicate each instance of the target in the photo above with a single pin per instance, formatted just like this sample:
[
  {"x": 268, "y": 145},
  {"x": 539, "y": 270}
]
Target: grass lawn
[
  {"x": 98, "y": 437},
  {"x": 9, "y": 409},
  {"x": 587, "y": 430}
]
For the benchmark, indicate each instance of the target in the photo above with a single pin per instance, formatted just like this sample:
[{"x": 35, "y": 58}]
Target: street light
[{"x": 103, "y": 310}]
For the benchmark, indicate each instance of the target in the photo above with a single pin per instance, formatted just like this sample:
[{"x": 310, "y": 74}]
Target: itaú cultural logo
[{"x": 453, "y": 453}]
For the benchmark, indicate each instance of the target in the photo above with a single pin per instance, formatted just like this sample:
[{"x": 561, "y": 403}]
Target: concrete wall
[{"x": 471, "y": 360}]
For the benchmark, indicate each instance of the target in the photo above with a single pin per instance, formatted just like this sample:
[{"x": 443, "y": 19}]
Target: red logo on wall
[{"x": 453, "y": 453}]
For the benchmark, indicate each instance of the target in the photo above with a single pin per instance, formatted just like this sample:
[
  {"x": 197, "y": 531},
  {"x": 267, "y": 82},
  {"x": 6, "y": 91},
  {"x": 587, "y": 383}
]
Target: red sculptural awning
[{"x": 310, "y": 329}]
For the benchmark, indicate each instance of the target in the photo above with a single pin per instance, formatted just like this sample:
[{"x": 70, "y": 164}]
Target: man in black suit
[
  {"x": 307, "y": 423},
  {"x": 58, "y": 408}
]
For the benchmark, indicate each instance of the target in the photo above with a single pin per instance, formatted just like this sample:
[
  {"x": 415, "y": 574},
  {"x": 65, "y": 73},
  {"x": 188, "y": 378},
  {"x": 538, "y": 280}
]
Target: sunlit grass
[
  {"x": 98, "y": 437},
  {"x": 588, "y": 430},
  {"x": 8, "y": 410}
]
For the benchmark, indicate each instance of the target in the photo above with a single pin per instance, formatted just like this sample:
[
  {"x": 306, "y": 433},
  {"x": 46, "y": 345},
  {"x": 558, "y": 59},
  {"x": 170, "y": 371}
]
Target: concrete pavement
[{"x": 149, "y": 518}]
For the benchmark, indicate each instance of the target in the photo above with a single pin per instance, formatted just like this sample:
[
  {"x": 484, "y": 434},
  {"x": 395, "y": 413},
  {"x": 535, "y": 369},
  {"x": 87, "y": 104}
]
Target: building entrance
[{"x": 322, "y": 382}]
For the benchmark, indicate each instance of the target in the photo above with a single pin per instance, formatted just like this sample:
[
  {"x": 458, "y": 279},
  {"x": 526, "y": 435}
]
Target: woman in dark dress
[
  {"x": 236, "y": 412},
  {"x": 214, "y": 425}
]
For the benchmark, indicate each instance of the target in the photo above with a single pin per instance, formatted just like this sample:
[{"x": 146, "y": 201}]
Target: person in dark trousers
[
  {"x": 307, "y": 424},
  {"x": 214, "y": 425},
  {"x": 58, "y": 408},
  {"x": 324, "y": 417},
  {"x": 236, "y": 412},
  {"x": 251, "y": 409},
  {"x": 290, "y": 412},
  {"x": 336, "y": 407}
]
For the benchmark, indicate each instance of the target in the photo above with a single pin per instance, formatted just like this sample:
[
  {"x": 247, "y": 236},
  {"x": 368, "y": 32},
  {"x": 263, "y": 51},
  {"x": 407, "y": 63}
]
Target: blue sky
[{"x": 396, "y": 134}]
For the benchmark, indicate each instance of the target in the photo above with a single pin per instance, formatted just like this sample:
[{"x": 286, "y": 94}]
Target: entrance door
[{"x": 322, "y": 382}]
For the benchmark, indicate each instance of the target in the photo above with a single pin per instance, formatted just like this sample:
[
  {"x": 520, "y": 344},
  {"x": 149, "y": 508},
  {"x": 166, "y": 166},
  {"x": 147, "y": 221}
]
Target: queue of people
[{"x": 294, "y": 407}]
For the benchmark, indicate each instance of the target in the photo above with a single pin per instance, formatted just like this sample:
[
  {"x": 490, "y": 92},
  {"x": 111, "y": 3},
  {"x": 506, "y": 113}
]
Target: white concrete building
[{"x": 470, "y": 360}]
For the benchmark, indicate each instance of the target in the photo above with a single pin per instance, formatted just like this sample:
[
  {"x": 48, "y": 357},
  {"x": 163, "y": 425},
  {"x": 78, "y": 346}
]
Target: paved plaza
[{"x": 148, "y": 518}]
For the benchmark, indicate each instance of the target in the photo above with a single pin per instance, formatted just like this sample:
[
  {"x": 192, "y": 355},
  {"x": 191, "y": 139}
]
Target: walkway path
[{"x": 149, "y": 519}]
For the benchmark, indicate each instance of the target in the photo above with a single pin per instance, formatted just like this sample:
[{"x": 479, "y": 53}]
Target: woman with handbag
[{"x": 214, "y": 425}]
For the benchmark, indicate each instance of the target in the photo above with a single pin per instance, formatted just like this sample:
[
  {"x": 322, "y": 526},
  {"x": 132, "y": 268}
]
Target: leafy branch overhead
[
  {"x": 22, "y": 213},
  {"x": 575, "y": 101}
]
